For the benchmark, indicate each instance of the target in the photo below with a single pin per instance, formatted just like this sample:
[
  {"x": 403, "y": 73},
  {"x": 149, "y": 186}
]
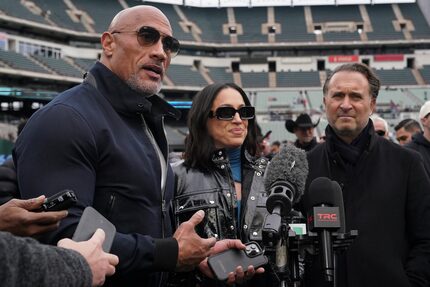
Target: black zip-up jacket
[
  {"x": 387, "y": 199},
  {"x": 420, "y": 144},
  {"x": 95, "y": 139}
]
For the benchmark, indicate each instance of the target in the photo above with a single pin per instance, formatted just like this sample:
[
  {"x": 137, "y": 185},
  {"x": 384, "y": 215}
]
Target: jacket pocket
[{"x": 186, "y": 205}]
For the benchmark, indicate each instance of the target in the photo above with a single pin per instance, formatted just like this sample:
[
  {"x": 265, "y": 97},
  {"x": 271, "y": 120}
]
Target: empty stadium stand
[
  {"x": 396, "y": 77},
  {"x": 60, "y": 66},
  {"x": 382, "y": 17},
  {"x": 220, "y": 75},
  {"x": 182, "y": 75},
  {"x": 255, "y": 79},
  {"x": 57, "y": 12},
  {"x": 412, "y": 13},
  {"x": 298, "y": 79},
  {"x": 20, "y": 62},
  {"x": 210, "y": 22},
  {"x": 251, "y": 20},
  {"x": 250, "y": 41},
  {"x": 293, "y": 25}
]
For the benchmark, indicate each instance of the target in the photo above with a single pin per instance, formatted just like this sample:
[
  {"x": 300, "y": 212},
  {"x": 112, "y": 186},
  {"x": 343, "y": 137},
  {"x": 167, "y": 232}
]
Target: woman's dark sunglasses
[
  {"x": 228, "y": 113},
  {"x": 148, "y": 36}
]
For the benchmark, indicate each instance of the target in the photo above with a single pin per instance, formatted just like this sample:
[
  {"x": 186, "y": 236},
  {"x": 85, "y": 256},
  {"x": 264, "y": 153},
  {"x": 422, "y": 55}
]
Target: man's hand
[
  {"x": 238, "y": 276},
  {"x": 16, "y": 216},
  {"x": 102, "y": 264},
  {"x": 192, "y": 248}
]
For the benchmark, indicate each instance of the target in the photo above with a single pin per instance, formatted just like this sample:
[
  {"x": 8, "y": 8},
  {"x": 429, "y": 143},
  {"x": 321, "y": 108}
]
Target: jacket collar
[
  {"x": 220, "y": 159},
  {"x": 373, "y": 137},
  {"x": 125, "y": 100},
  {"x": 419, "y": 139}
]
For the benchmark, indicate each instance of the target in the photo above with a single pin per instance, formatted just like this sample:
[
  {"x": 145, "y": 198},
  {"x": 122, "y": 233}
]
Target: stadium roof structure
[{"x": 265, "y": 3}]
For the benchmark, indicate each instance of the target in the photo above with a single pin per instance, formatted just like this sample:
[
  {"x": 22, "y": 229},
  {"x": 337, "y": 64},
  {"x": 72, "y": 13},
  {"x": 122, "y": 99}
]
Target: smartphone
[
  {"x": 225, "y": 262},
  {"x": 59, "y": 201},
  {"x": 90, "y": 221}
]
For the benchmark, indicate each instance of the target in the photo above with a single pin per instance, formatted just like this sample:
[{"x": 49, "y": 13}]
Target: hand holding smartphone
[
  {"x": 225, "y": 262},
  {"x": 90, "y": 221},
  {"x": 59, "y": 201}
]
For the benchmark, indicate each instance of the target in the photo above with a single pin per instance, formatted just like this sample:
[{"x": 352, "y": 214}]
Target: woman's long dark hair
[{"x": 199, "y": 145}]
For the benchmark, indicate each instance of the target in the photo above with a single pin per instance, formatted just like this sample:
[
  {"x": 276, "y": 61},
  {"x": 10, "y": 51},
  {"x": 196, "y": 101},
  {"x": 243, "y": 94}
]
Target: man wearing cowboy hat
[{"x": 303, "y": 128}]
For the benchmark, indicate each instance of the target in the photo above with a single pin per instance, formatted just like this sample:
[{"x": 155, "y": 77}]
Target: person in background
[
  {"x": 421, "y": 141},
  {"x": 385, "y": 190},
  {"x": 405, "y": 129},
  {"x": 381, "y": 126},
  {"x": 303, "y": 128},
  {"x": 221, "y": 172},
  {"x": 105, "y": 140},
  {"x": 274, "y": 149},
  {"x": 8, "y": 180}
]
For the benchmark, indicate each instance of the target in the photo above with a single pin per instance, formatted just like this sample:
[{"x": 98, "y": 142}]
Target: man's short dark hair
[
  {"x": 374, "y": 83},
  {"x": 409, "y": 125},
  {"x": 277, "y": 143}
]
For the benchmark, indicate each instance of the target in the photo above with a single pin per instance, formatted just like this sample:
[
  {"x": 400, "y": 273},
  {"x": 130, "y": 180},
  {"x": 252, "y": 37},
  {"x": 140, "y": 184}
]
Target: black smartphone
[
  {"x": 225, "y": 262},
  {"x": 90, "y": 221},
  {"x": 59, "y": 201}
]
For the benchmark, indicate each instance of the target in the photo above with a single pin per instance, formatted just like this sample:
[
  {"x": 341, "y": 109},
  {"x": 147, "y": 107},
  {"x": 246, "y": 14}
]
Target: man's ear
[
  {"x": 372, "y": 105},
  {"x": 108, "y": 43}
]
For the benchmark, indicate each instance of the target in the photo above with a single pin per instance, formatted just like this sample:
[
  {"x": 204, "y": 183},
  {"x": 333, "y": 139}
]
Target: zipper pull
[{"x": 163, "y": 206}]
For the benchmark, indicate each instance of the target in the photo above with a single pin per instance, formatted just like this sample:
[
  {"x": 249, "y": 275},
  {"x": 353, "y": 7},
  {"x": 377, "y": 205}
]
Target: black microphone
[
  {"x": 285, "y": 183},
  {"x": 325, "y": 214}
]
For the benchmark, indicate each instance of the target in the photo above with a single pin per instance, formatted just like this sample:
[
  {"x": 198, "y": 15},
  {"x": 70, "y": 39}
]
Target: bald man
[{"x": 105, "y": 140}]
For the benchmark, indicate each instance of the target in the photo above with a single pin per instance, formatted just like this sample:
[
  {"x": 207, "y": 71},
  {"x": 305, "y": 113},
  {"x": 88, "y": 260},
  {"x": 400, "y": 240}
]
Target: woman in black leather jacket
[{"x": 220, "y": 172}]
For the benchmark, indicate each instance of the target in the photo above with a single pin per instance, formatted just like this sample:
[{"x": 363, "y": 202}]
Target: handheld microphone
[{"x": 325, "y": 214}]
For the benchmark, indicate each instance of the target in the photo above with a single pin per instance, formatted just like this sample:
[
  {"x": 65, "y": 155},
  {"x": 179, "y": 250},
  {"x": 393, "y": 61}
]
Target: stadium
[{"x": 279, "y": 51}]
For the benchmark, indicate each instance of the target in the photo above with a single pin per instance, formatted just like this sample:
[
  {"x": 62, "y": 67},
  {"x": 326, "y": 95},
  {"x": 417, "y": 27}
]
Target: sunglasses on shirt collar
[
  {"x": 228, "y": 113},
  {"x": 148, "y": 36}
]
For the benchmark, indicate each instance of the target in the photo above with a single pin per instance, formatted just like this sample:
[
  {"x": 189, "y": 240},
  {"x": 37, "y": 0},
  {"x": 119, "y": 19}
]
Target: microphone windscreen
[
  {"x": 322, "y": 191},
  {"x": 290, "y": 165}
]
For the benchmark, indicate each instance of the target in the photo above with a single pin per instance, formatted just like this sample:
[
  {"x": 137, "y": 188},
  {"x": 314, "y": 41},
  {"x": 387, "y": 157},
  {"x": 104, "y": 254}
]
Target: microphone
[
  {"x": 285, "y": 179},
  {"x": 325, "y": 214},
  {"x": 284, "y": 182}
]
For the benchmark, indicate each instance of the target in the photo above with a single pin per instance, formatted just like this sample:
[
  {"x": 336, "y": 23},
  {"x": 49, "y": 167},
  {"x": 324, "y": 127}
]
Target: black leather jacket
[{"x": 214, "y": 193}]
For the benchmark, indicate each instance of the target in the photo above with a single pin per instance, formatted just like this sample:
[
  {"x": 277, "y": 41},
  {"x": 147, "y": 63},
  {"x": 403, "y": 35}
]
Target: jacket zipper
[
  {"x": 163, "y": 165},
  {"x": 110, "y": 205},
  {"x": 233, "y": 197}
]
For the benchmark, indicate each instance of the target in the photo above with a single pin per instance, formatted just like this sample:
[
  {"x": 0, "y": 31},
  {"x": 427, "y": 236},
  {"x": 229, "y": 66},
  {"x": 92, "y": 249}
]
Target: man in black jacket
[
  {"x": 421, "y": 141},
  {"x": 105, "y": 140},
  {"x": 385, "y": 189}
]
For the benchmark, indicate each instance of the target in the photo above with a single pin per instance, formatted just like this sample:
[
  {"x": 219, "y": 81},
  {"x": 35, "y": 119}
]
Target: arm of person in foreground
[
  {"x": 26, "y": 262},
  {"x": 17, "y": 217},
  {"x": 102, "y": 264}
]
